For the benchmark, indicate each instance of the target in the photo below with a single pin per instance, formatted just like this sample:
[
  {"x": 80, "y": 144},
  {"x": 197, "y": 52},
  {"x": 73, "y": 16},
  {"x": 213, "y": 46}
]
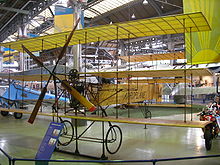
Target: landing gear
[
  {"x": 148, "y": 114},
  {"x": 13, "y": 105},
  {"x": 67, "y": 134},
  {"x": 4, "y": 113},
  {"x": 208, "y": 136},
  {"x": 113, "y": 139},
  {"x": 18, "y": 115}
]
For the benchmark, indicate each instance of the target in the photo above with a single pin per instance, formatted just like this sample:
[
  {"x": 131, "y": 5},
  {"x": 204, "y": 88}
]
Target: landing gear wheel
[
  {"x": 4, "y": 113},
  {"x": 148, "y": 115},
  {"x": 113, "y": 139},
  {"x": 67, "y": 133},
  {"x": 18, "y": 115},
  {"x": 208, "y": 138}
]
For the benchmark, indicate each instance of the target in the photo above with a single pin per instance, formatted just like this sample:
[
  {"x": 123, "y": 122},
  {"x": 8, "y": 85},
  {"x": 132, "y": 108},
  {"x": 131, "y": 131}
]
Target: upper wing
[
  {"x": 173, "y": 24},
  {"x": 153, "y": 57}
]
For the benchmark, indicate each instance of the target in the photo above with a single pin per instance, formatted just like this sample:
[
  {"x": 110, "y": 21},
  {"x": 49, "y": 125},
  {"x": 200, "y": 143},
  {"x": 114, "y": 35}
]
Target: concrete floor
[{"x": 21, "y": 140}]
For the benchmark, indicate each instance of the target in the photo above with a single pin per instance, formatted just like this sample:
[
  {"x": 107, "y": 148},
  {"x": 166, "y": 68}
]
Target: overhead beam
[
  {"x": 167, "y": 3},
  {"x": 14, "y": 10},
  {"x": 35, "y": 8},
  {"x": 156, "y": 7},
  {"x": 173, "y": 12}
]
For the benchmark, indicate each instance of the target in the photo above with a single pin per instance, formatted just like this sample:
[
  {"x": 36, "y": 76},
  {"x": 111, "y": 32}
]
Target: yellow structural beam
[
  {"x": 173, "y": 24},
  {"x": 157, "y": 122}
]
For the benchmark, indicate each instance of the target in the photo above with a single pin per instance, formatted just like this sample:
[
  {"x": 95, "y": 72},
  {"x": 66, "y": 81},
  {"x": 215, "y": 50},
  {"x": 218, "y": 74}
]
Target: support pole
[
  {"x": 99, "y": 82},
  {"x": 185, "y": 98},
  {"x": 9, "y": 78},
  {"x": 41, "y": 72},
  {"x": 129, "y": 67},
  {"x": 117, "y": 73},
  {"x": 191, "y": 108},
  {"x": 103, "y": 157}
]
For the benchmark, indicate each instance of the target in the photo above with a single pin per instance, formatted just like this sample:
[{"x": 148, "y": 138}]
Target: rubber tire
[
  {"x": 106, "y": 138},
  {"x": 65, "y": 132},
  {"x": 148, "y": 115},
  {"x": 4, "y": 113},
  {"x": 208, "y": 139},
  {"x": 18, "y": 115}
]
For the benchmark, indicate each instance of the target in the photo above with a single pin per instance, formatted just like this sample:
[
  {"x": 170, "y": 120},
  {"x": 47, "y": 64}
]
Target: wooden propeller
[
  {"x": 64, "y": 83},
  {"x": 44, "y": 90}
]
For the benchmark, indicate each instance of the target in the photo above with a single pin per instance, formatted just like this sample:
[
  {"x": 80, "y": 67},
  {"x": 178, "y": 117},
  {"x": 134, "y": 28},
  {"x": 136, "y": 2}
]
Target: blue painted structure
[{"x": 18, "y": 93}]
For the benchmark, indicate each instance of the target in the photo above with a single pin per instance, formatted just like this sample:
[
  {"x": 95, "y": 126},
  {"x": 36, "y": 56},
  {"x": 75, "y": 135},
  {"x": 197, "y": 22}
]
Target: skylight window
[{"x": 103, "y": 7}]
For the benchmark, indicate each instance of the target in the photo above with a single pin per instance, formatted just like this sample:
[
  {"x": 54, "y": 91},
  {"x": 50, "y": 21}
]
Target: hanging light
[
  {"x": 145, "y": 2},
  {"x": 133, "y": 16}
]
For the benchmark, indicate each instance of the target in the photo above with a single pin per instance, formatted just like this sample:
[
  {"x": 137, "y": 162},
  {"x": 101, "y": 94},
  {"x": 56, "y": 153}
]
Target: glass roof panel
[{"x": 104, "y": 6}]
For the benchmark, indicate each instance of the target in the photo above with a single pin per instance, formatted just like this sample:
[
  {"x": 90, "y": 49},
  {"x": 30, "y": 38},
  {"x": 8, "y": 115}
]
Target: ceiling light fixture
[
  {"x": 133, "y": 16},
  {"x": 145, "y": 2}
]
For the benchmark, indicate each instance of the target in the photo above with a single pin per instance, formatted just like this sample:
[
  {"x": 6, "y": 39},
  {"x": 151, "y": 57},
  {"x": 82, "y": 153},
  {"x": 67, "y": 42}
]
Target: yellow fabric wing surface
[
  {"x": 132, "y": 29},
  {"x": 152, "y": 73},
  {"x": 173, "y": 80},
  {"x": 153, "y": 57},
  {"x": 121, "y": 74},
  {"x": 160, "y": 122},
  {"x": 129, "y": 93}
]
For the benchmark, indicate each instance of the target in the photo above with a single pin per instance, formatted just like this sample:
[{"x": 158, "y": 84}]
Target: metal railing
[{"x": 12, "y": 161}]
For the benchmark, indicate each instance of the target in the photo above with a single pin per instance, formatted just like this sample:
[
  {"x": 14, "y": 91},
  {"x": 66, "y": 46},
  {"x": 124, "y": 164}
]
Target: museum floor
[{"x": 21, "y": 140}]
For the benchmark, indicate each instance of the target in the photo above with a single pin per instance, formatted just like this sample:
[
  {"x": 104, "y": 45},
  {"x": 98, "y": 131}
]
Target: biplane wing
[
  {"x": 153, "y": 57},
  {"x": 173, "y": 24},
  {"x": 38, "y": 74},
  {"x": 153, "y": 73},
  {"x": 136, "y": 92},
  {"x": 132, "y": 92},
  {"x": 157, "y": 80},
  {"x": 142, "y": 121}
]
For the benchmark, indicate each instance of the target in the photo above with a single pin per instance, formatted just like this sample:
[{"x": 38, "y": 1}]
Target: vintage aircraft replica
[
  {"x": 87, "y": 98},
  {"x": 16, "y": 96}
]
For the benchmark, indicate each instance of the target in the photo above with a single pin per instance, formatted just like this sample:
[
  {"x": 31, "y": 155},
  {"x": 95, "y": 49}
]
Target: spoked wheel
[
  {"x": 67, "y": 133},
  {"x": 148, "y": 114},
  {"x": 113, "y": 139},
  {"x": 4, "y": 113},
  {"x": 208, "y": 138},
  {"x": 18, "y": 115}
]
